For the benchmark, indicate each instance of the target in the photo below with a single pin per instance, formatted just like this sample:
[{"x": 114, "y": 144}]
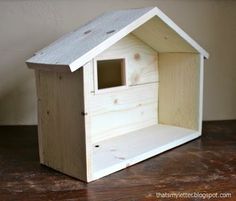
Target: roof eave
[{"x": 48, "y": 67}]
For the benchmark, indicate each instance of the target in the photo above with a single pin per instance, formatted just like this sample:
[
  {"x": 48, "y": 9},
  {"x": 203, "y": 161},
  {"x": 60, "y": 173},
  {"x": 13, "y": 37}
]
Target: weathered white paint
[{"x": 80, "y": 46}]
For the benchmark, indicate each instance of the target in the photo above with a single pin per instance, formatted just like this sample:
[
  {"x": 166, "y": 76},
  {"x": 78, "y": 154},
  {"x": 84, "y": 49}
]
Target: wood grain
[
  {"x": 162, "y": 38},
  {"x": 179, "y": 89},
  {"x": 61, "y": 125},
  {"x": 140, "y": 59},
  {"x": 198, "y": 166},
  {"x": 123, "y": 151},
  {"x": 120, "y": 112}
]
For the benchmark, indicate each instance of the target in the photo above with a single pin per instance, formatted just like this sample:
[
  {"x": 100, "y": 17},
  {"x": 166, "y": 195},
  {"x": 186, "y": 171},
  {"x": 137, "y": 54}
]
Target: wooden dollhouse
[{"x": 118, "y": 90}]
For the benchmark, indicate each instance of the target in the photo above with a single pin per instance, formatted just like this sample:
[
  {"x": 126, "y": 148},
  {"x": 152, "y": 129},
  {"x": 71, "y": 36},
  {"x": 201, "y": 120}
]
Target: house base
[{"x": 122, "y": 151}]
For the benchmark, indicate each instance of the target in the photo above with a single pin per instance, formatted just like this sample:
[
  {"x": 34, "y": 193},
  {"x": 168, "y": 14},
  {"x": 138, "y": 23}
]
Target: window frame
[{"x": 110, "y": 89}]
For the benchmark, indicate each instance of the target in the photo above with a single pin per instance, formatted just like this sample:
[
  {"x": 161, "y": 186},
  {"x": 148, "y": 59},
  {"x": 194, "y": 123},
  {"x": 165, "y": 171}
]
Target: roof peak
[{"x": 80, "y": 46}]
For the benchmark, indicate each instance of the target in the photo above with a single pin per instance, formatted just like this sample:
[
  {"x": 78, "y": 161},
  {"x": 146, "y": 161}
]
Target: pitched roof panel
[
  {"x": 72, "y": 46},
  {"x": 81, "y": 45}
]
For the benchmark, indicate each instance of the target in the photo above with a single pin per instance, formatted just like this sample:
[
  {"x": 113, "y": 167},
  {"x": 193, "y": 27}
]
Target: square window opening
[{"x": 111, "y": 73}]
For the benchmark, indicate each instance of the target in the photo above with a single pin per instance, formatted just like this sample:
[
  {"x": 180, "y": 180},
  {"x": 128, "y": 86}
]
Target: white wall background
[{"x": 28, "y": 25}]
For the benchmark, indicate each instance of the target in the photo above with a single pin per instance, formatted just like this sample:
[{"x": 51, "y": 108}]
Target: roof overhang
[{"x": 149, "y": 24}]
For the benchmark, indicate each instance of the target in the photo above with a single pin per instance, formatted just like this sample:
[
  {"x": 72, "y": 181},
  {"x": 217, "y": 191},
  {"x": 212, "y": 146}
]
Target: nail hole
[
  {"x": 60, "y": 77},
  {"x": 96, "y": 146},
  {"x": 111, "y": 31},
  {"x": 48, "y": 112},
  {"x": 87, "y": 32}
]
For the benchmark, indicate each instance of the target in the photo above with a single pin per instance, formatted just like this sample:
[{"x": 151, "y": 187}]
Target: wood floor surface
[{"x": 205, "y": 165}]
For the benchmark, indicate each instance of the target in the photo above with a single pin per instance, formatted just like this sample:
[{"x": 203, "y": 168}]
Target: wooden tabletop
[{"x": 205, "y": 165}]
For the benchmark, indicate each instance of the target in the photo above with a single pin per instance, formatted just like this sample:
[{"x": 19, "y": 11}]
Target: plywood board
[
  {"x": 139, "y": 59},
  {"x": 179, "y": 89},
  {"x": 119, "y": 112},
  {"x": 123, "y": 151},
  {"x": 61, "y": 125}
]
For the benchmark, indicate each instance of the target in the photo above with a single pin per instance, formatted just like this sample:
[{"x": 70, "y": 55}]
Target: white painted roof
[{"x": 80, "y": 46}]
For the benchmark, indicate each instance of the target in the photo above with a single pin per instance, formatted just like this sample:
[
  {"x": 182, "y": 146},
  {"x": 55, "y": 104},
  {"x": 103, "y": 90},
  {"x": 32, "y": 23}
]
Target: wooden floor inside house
[
  {"x": 128, "y": 149},
  {"x": 207, "y": 164}
]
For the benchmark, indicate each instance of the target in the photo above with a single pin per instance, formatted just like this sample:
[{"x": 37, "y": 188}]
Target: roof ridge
[{"x": 79, "y": 46}]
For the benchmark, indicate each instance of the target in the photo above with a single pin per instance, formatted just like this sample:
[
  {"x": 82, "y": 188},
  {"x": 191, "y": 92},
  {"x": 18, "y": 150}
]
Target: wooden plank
[
  {"x": 161, "y": 37},
  {"x": 61, "y": 125},
  {"x": 88, "y": 89},
  {"x": 48, "y": 67},
  {"x": 119, "y": 112},
  {"x": 179, "y": 89},
  {"x": 39, "y": 116},
  {"x": 123, "y": 151},
  {"x": 200, "y": 100},
  {"x": 140, "y": 60}
]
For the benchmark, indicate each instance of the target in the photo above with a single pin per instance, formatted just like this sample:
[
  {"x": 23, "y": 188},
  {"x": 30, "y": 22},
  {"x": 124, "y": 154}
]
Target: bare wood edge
[
  {"x": 37, "y": 80},
  {"x": 158, "y": 85},
  {"x": 48, "y": 67},
  {"x": 86, "y": 75},
  {"x": 200, "y": 104}
]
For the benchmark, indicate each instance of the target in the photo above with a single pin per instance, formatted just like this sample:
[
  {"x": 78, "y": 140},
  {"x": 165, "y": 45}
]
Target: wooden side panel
[
  {"x": 200, "y": 100},
  {"x": 39, "y": 113},
  {"x": 123, "y": 111},
  {"x": 61, "y": 125},
  {"x": 118, "y": 112},
  {"x": 140, "y": 59},
  {"x": 179, "y": 89},
  {"x": 113, "y": 111},
  {"x": 88, "y": 90}
]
